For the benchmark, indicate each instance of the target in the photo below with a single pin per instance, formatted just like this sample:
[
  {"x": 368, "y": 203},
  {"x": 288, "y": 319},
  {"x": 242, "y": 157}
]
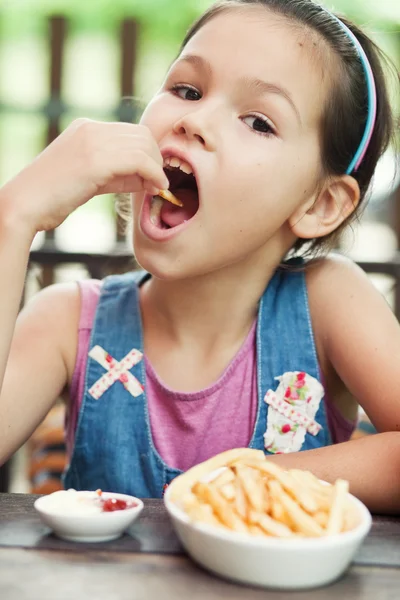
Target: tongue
[{"x": 173, "y": 215}]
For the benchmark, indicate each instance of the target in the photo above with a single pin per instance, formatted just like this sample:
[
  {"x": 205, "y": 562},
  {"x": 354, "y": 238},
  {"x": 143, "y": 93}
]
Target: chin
[
  {"x": 163, "y": 262},
  {"x": 170, "y": 269},
  {"x": 158, "y": 266}
]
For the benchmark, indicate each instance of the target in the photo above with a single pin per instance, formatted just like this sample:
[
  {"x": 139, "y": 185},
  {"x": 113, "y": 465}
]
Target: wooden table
[{"x": 149, "y": 564}]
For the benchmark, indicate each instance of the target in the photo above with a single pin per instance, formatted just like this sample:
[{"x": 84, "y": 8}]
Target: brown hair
[{"x": 345, "y": 114}]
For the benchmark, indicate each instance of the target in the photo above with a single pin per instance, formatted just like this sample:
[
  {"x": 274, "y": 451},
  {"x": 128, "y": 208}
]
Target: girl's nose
[{"x": 194, "y": 127}]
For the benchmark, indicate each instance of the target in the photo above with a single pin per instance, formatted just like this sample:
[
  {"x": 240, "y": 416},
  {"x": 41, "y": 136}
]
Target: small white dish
[
  {"x": 285, "y": 564},
  {"x": 75, "y": 516}
]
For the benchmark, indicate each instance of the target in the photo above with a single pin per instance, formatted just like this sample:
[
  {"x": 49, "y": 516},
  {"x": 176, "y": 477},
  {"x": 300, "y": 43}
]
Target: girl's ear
[{"x": 334, "y": 203}]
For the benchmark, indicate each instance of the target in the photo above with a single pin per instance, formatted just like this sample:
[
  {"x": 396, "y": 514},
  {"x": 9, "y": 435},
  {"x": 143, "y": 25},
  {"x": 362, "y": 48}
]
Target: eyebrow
[
  {"x": 261, "y": 88},
  {"x": 255, "y": 86},
  {"x": 197, "y": 61}
]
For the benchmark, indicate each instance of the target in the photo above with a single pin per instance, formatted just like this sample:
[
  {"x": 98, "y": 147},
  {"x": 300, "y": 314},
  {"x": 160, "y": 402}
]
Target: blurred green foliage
[
  {"x": 166, "y": 21},
  {"x": 383, "y": 13},
  {"x": 166, "y": 18}
]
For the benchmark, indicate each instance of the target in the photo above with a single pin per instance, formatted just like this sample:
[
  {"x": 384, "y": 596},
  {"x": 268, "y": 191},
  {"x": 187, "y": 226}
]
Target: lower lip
[{"x": 153, "y": 232}]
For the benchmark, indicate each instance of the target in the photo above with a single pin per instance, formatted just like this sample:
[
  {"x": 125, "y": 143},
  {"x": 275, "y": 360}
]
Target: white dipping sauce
[{"x": 74, "y": 503}]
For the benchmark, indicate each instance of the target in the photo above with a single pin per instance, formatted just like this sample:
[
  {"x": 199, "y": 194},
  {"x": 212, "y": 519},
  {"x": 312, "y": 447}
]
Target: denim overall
[{"x": 114, "y": 448}]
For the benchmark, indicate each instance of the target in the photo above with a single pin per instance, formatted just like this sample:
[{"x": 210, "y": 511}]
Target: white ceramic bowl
[
  {"x": 269, "y": 562},
  {"x": 96, "y": 527}
]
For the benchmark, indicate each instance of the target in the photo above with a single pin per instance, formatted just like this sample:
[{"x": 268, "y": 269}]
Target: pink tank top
[{"x": 188, "y": 428}]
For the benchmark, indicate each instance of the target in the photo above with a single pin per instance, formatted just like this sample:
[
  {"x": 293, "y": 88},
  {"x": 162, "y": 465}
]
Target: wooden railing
[
  {"x": 120, "y": 259},
  {"x": 98, "y": 264}
]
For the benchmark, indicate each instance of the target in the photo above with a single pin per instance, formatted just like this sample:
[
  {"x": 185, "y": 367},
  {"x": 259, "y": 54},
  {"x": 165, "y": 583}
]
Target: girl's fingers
[
  {"x": 143, "y": 165},
  {"x": 127, "y": 185},
  {"x": 149, "y": 187},
  {"x": 134, "y": 171}
]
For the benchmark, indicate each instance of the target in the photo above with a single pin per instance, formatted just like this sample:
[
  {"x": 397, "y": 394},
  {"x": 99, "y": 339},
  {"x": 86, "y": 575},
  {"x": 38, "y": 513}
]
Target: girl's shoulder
[
  {"x": 357, "y": 335},
  {"x": 342, "y": 298},
  {"x": 336, "y": 284},
  {"x": 57, "y": 312},
  {"x": 56, "y": 304},
  {"x": 336, "y": 268}
]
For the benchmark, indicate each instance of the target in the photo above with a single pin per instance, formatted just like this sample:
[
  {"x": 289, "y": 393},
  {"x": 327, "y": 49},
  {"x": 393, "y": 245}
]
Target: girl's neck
[{"x": 192, "y": 310}]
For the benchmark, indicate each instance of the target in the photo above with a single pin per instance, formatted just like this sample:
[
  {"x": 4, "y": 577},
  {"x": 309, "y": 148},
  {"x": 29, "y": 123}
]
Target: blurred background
[{"x": 103, "y": 59}]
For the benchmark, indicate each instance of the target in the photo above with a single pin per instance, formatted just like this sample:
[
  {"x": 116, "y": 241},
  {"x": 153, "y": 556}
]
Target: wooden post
[
  {"x": 55, "y": 109},
  {"x": 57, "y": 42},
  {"x": 5, "y": 477},
  {"x": 126, "y": 110},
  {"x": 394, "y": 199},
  {"x": 128, "y": 45},
  {"x": 394, "y": 213}
]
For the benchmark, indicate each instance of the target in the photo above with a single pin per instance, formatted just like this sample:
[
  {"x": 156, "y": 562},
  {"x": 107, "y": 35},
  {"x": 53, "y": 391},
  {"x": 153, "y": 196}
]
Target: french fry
[
  {"x": 222, "y": 509},
  {"x": 228, "y": 491},
  {"x": 336, "y": 517},
  {"x": 300, "y": 492},
  {"x": 303, "y": 522},
  {"x": 167, "y": 195},
  {"x": 267, "y": 498},
  {"x": 269, "y": 525},
  {"x": 203, "y": 513},
  {"x": 313, "y": 484},
  {"x": 256, "y": 530},
  {"x": 240, "y": 502},
  {"x": 226, "y": 476},
  {"x": 277, "y": 510},
  {"x": 252, "y": 487},
  {"x": 351, "y": 517},
  {"x": 321, "y": 517},
  {"x": 321, "y": 493},
  {"x": 189, "y": 501}
]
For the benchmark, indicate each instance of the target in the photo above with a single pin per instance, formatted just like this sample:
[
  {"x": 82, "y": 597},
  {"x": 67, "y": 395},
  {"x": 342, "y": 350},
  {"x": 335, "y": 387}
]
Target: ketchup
[{"x": 112, "y": 504}]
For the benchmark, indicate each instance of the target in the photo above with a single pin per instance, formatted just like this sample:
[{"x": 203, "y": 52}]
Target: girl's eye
[
  {"x": 186, "y": 92},
  {"x": 259, "y": 124}
]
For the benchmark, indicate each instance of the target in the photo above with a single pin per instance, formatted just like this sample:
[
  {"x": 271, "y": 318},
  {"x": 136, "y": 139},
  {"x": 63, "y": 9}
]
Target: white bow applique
[
  {"x": 292, "y": 410},
  {"x": 116, "y": 371}
]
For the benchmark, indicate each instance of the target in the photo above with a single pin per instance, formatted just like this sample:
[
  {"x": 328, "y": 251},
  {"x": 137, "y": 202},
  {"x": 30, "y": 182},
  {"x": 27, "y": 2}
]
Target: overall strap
[{"x": 285, "y": 343}]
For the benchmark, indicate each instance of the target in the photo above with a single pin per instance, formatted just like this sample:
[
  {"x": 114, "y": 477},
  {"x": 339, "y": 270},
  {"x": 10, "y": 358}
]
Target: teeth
[
  {"x": 155, "y": 210},
  {"x": 186, "y": 168},
  {"x": 177, "y": 163}
]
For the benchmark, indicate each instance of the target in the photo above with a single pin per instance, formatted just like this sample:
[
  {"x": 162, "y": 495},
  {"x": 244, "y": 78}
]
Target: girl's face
[{"x": 242, "y": 106}]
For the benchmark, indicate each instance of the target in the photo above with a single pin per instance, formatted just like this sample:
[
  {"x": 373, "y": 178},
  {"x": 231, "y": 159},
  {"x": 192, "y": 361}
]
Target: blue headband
[{"x": 372, "y": 99}]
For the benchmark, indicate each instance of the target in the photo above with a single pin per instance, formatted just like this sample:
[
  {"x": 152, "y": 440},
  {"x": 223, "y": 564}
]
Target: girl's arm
[
  {"x": 37, "y": 351},
  {"x": 371, "y": 465},
  {"x": 40, "y": 362},
  {"x": 16, "y": 404},
  {"x": 358, "y": 341},
  {"x": 358, "y": 338}
]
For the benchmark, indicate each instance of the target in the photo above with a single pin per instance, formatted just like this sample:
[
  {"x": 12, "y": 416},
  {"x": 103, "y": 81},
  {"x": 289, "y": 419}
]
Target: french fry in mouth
[{"x": 169, "y": 197}]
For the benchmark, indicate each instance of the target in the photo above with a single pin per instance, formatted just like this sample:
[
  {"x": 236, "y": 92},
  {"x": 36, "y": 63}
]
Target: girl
[{"x": 267, "y": 129}]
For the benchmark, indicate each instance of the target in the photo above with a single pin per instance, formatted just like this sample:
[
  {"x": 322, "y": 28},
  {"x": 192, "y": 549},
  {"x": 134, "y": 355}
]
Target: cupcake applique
[{"x": 291, "y": 413}]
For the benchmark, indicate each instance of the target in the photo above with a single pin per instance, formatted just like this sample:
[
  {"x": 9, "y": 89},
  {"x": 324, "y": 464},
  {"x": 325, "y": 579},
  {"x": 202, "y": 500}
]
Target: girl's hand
[{"x": 87, "y": 159}]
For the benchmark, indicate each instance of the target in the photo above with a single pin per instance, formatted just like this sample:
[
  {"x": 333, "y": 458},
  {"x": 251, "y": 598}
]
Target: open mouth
[{"x": 183, "y": 185}]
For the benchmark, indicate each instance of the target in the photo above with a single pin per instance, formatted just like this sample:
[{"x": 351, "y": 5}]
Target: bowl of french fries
[{"x": 245, "y": 518}]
